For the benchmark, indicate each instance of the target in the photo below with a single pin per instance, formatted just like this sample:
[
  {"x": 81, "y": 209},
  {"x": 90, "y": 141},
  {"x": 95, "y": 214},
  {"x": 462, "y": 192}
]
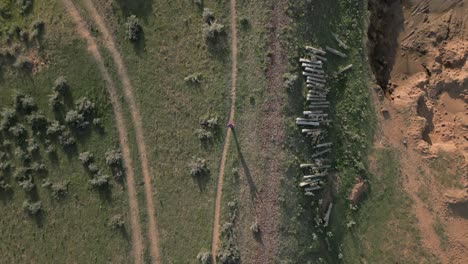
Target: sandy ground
[{"x": 422, "y": 68}]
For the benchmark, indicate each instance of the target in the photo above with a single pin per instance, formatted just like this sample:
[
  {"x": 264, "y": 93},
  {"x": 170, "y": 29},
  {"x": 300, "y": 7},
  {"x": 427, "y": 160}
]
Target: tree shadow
[
  {"x": 386, "y": 23},
  {"x": 245, "y": 167},
  {"x": 140, "y": 44},
  {"x": 202, "y": 181},
  {"x": 140, "y": 8}
]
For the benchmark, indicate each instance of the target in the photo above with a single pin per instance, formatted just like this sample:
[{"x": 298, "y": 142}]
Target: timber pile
[{"x": 315, "y": 120}]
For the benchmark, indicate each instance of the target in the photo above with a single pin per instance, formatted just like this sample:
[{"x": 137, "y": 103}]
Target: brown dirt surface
[
  {"x": 267, "y": 205},
  {"x": 137, "y": 123},
  {"x": 421, "y": 66},
  {"x": 82, "y": 30},
  {"x": 232, "y": 111}
]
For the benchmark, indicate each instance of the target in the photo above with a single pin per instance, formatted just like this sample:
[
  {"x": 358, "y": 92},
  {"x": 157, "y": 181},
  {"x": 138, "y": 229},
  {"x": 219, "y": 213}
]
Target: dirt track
[
  {"x": 137, "y": 123},
  {"x": 122, "y": 131},
  {"x": 232, "y": 111}
]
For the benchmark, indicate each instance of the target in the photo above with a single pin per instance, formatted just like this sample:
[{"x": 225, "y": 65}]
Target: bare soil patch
[{"x": 418, "y": 53}]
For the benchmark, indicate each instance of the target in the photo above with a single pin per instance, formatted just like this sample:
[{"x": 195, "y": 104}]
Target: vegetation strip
[
  {"x": 92, "y": 48},
  {"x": 232, "y": 111},
  {"x": 136, "y": 119}
]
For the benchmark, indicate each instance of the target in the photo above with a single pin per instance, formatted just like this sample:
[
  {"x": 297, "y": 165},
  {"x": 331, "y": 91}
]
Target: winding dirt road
[
  {"x": 122, "y": 131},
  {"x": 137, "y": 123},
  {"x": 227, "y": 140}
]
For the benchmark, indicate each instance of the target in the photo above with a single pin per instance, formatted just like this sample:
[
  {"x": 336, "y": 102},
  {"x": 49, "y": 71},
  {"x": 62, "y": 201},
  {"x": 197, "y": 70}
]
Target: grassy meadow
[{"x": 75, "y": 227}]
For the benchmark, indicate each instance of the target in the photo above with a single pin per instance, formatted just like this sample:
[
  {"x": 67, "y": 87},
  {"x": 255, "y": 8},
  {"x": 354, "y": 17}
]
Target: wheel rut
[{"x": 84, "y": 33}]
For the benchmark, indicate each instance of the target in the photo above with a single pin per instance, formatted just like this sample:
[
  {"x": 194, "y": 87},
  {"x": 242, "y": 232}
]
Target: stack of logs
[{"x": 315, "y": 118}]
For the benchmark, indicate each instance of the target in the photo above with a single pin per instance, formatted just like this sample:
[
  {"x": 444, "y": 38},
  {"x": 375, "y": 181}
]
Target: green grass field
[{"x": 77, "y": 226}]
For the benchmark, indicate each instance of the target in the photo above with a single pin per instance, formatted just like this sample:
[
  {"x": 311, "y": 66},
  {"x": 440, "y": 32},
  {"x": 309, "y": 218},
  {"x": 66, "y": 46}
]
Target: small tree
[
  {"x": 37, "y": 28},
  {"x": 133, "y": 28},
  {"x": 37, "y": 121},
  {"x": 18, "y": 131},
  {"x": 24, "y": 103},
  {"x": 255, "y": 228},
  {"x": 27, "y": 185},
  {"x": 93, "y": 168},
  {"x": 114, "y": 157},
  {"x": 203, "y": 135},
  {"x": 194, "y": 78},
  {"x": 23, "y": 63},
  {"x": 59, "y": 190}
]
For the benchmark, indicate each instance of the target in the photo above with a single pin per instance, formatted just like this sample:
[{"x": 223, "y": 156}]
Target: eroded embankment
[{"x": 418, "y": 52}]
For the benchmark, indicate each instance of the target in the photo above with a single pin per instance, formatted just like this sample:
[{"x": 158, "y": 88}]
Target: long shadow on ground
[{"x": 245, "y": 167}]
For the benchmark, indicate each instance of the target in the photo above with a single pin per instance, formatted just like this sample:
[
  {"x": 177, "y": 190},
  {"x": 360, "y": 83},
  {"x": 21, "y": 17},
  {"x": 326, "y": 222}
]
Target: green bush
[
  {"x": 59, "y": 190},
  {"x": 25, "y": 6},
  {"x": 93, "y": 168},
  {"x": 38, "y": 121},
  {"x": 194, "y": 78},
  {"x": 37, "y": 28},
  {"x": 55, "y": 102},
  {"x": 18, "y": 131},
  {"x": 23, "y": 63},
  {"x": 85, "y": 107},
  {"x": 204, "y": 135},
  {"x": 27, "y": 185},
  {"x": 133, "y": 28}
]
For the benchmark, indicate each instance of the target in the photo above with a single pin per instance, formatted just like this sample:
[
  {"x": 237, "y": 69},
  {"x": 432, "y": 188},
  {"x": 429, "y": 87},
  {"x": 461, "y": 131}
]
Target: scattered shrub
[
  {"x": 8, "y": 119},
  {"x": 244, "y": 22},
  {"x": 55, "y": 129},
  {"x": 61, "y": 85},
  {"x": 133, "y": 28},
  {"x": 38, "y": 121},
  {"x": 59, "y": 190},
  {"x": 199, "y": 168},
  {"x": 230, "y": 255},
  {"x": 37, "y": 28},
  {"x": 76, "y": 120},
  {"x": 97, "y": 122},
  {"x": 204, "y": 257},
  {"x": 38, "y": 167},
  {"x": 93, "y": 168},
  {"x": 24, "y": 36},
  {"x": 54, "y": 101},
  {"x": 24, "y": 103},
  {"x": 18, "y": 131},
  {"x": 66, "y": 139},
  {"x": 100, "y": 181},
  {"x": 213, "y": 31},
  {"x": 114, "y": 157},
  {"x": 255, "y": 228},
  {"x": 209, "y": 123},
  {"x": 194, "y": 78},
  {"x": 33, "y": 147},
  {"x": 25, "y": 6},
  {"x": 23, "y": 63},
  {"x": 290, "y": 81},
  {"x": 50, "y": 149},
  {"x": 204, "y": 135},
  {"x": 118, "y": 174},
  {"x": 27, "y": 185},
  {"x": 22, "y": 174},
  {"x": 32, "y": 207},
  {"x": 117, "y": 222},
  {"x": 86, "y": 158},
  {"x": 208, "y": 16},
  {"x": 85, "y": 107},
  {"x": 4, "y": 187}
]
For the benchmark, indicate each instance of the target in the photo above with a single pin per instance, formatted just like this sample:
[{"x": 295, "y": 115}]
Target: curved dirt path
[
  {"x": 232, "y": 111},
  {"x": 137, "y": 123},
  {"x": 122, "y": 131}
]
